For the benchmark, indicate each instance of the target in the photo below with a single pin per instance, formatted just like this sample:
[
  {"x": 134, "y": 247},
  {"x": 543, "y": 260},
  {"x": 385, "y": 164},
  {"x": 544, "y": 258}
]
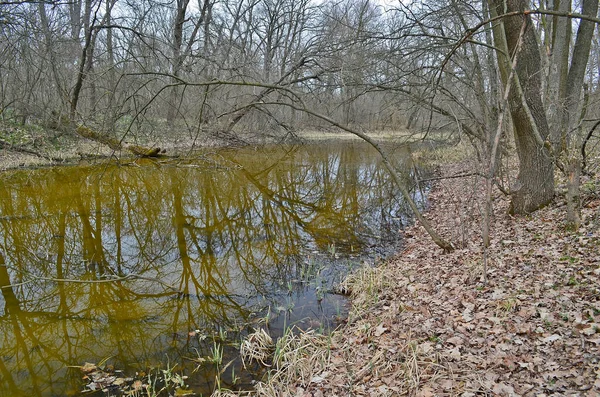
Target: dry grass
[
  {"x": 367, "y": 286},
  {"x": 294, "y": 359},
  {"x": 258, "y": 347},
  {"x": 446, "y": 154},
  {"x": 298, "y": 357},
  {"x": 305, "y": 360},
  {"x": 373, "y": 356}
]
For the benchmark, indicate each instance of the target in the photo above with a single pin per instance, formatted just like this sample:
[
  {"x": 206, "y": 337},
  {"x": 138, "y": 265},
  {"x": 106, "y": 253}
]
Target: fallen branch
[
  {"x": 108, "y": 280},
  {"x": 62, "y": 123},
  {"x": 440, "y": 178},
  {"x": 117, "y": 145}
]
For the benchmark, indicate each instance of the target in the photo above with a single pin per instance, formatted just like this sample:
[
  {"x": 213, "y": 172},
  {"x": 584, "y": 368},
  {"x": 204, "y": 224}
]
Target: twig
[
  {"x": 439, "y": 178},
  {"x": 109, "y": 280}
]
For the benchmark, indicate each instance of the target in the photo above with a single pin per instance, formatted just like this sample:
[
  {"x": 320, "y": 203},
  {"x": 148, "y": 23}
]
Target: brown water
[{"x": 213, "y": 243}]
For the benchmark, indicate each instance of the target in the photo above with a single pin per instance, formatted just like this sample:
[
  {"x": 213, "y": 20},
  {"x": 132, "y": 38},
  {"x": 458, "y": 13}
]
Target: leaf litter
[{"x": 425, "y": 324}]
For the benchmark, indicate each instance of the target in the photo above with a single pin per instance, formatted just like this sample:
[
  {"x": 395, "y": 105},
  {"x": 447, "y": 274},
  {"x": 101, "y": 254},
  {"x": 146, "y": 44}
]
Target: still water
[{"x": 153, "y": 264}]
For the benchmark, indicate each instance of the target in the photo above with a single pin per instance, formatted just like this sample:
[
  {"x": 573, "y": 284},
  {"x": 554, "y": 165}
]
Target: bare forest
[
  {"x": 248, "y": 69},
  {"x": 500, "y": 97}
]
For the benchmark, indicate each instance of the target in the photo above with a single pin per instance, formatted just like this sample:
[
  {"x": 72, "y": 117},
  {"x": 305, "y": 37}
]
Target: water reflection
[{"x": 196, "y": 245}]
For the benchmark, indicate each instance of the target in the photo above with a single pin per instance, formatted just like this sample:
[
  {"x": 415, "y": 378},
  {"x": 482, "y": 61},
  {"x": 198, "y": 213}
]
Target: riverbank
[
  {"x": 30, "y": 146},
  {"x": 425, "y": 324},
  {"x": 26, "y": 147}
]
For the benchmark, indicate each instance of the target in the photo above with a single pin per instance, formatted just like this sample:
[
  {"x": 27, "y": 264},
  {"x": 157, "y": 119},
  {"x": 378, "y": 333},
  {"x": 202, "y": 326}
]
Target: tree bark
[
  {"x": 581, "y": 54},
  {"x": 573, "y": 194},
  {"x": 117, "y": 145},
  {"x": 575, "y": 107},
  {"x": 180, "y": 53},
  {"x": 557, "y": 76},
  {"x": 534, "y": 187},
  {"x": 176, "y": 60}
]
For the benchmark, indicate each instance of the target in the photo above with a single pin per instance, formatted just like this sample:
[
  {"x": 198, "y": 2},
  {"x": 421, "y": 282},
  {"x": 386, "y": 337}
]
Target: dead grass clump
[
  {"x": 298, "y": 353},
  {"x": 367, "y": 287},
  {"x": 446, "y": 154},
  {"x": 258, "y": 347},
  {"x": 294, "y": 359},
  {"x": 229, "y": 393},
  {"x": 298, "y": 356}
]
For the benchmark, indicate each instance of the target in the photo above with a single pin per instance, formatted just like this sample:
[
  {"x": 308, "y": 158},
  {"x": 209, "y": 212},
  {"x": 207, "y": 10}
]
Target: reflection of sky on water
[{"x": 265, "y": 233}]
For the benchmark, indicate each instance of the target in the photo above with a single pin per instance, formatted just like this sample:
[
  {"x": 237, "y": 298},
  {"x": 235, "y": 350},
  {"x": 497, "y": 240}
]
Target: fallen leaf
[
  {"x": 455, "y": 340},
  {"x": 88, "y": 367},
  {"x": 503, "y": 389},
  {"x": 426, "y": 391},
  {"x": 551, "y": 338},
  {"x": 591, "y": 330},
  {"x": 454, "y": 353},
  {"x": 317, "y": 379},
  {"x": 380, "y": 330}
]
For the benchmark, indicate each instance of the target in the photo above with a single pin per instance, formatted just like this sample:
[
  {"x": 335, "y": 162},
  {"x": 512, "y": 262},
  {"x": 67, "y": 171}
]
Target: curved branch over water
[{"x": 440, "y": 241}]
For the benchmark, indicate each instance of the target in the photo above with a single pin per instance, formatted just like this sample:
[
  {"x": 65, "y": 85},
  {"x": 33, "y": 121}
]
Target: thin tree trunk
[
  {"x": 51, "y": 55},
  {"x": 86, "y": 56},
  {"x": 557, "y": 76},
  {"x": 179, "y": 54},
  {"x": 573, "y": 196},
  {"x": 575, "y": 110}
]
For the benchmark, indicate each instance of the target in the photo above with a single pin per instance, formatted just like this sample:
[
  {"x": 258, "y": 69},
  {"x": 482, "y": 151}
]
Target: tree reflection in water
[{"x": 245, "y": 234}]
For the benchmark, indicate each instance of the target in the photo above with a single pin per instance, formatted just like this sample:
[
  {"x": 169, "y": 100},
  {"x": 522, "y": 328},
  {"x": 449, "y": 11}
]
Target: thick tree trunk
[
  {"x": 63, "y": 124},
  {"x": 534, "y": 187}
]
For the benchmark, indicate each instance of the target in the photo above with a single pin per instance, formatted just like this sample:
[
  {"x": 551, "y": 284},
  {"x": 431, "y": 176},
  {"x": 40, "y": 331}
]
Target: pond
[{"x": 152, "y": 264}]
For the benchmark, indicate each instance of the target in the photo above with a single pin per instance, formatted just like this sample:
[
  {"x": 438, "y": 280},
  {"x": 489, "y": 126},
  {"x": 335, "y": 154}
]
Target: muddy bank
[
  {"x": 48, "y": 148},
  {"x": 37, "y": 147}
]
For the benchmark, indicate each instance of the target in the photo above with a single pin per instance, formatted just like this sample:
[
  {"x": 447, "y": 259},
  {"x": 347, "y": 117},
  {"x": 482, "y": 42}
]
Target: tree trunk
[
  {"x": 573, "y": 196},
  {"x": 117, "y": 145},
  {"x": 176, "y": 60},
  {"x": 534, "y": 187},
  {"x": 180, "y": 53},
  {"x": 579, "y": 61},
  {"x": 49, "y": 52},
  {"x": 576, "y": 110},
  {"x": 557, "y": 76}
]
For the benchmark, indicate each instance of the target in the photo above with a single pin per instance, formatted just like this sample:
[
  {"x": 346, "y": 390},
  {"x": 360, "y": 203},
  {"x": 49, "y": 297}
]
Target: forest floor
[{"x": 426, "y": 324}]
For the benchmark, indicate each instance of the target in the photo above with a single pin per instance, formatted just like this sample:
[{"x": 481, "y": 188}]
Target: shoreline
[
  {"x": 425, "y": 324},
  {"x": 76, "y": 149}
]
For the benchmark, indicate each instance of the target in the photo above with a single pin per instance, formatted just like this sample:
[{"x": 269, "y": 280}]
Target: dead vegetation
[
  {"x": 425, "y": 323},
  {"x": 293, "y": 358}
]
